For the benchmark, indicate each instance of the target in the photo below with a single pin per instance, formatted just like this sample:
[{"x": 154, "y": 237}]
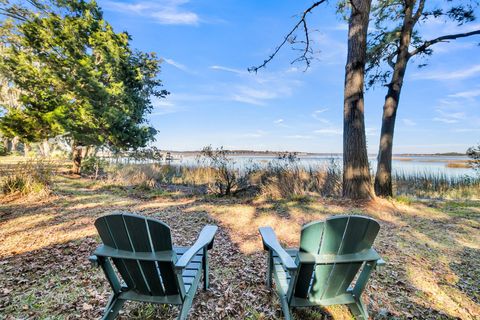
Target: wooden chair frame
[
  {"x": 197, "y": 254},
  {"x": 288, "y": 266}
]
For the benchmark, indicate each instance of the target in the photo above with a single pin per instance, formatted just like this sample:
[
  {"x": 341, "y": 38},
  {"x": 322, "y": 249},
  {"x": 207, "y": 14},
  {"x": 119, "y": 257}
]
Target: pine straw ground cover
[{"x": 431, "y": 248}]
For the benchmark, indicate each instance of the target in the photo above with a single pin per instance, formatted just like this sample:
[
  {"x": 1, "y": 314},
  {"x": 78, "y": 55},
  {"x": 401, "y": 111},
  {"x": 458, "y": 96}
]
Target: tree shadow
[
  {"x": 55, "y": 278},
  {"x": 467, "y": 268}
]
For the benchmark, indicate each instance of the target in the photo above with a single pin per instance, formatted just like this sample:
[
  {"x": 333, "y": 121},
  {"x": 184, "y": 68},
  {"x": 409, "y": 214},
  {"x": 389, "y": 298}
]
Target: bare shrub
[{"x": 226, "y": 175}]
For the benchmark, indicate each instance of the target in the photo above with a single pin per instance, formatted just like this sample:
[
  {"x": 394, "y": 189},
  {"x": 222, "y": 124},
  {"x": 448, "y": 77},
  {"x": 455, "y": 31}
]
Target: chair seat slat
[
  {"x": 366, "y": 255},
  {"x": 106, "y": 251}
]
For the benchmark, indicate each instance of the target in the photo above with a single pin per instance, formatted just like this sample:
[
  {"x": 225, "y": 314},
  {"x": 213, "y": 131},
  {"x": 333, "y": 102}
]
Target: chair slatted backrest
[
  {"x": 335, "y": 236},
  {"x": 134, "y": 233}
]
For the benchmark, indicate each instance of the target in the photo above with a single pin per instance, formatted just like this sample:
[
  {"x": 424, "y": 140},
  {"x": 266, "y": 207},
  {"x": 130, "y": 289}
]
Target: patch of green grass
[
  {"x": 404, "y": 199},
  {"x": 254, "y": 314}
]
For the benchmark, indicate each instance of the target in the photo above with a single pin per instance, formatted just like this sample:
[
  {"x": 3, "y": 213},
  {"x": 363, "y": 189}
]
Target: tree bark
[
  {"x": 77, "y": 154},
  {"x": 26, "y": 149},
  {"x": 383, "y": 176},
  {"x": 356, "y": 171},
  {"x": 6, "y": 144},
  {"x": 46, "y": 148},
  {"x": 15, "y": 142}
]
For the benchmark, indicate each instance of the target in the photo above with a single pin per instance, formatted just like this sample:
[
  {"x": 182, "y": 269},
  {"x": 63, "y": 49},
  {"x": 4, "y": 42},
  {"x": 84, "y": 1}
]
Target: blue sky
[{"x": 207, "y": 47}]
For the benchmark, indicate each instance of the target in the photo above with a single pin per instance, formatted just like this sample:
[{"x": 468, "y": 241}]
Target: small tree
[
  {"x": 474, "y": 154},
  {"x": 226, "y": 176}
]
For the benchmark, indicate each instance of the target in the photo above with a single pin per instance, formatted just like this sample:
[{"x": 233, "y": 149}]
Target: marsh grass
[
  {"x": 437, "y": 185},
  {"x": 276, "y": 180}
]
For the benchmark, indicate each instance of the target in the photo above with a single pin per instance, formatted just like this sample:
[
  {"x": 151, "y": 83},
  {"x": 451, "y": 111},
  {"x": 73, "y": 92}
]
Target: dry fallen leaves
[{"x": 44, "y": 270}]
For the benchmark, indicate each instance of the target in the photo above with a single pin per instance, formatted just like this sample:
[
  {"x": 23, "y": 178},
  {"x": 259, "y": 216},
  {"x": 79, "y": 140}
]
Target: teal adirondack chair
[
  {"x": 151, "y": 269},
  {"x": 321, "y": 271}
]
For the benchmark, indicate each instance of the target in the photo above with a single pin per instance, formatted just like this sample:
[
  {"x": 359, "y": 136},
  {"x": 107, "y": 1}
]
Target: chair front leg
[
  {"x": 113, "y": 307},
  {"x": 269, "y": 268},
  {"x": 206, "y": 282}
]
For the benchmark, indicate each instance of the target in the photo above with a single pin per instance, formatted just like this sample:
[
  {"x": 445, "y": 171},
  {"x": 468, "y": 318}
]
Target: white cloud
[
  {"x": 448, "y": 75},
  {"x": 280, "y": 123},
  {"x": 256, "y": 134},
  {"x": 370, "y": 131},
  {"x": 409, "y": 122},
  {"x": 332, "y": 50},
  {"x": 469, "y": 94},
  {"x": 163, "y": 106},
  {"x": 299, "y": 136},
  {"x": 316, "y": 115},
  {"x": 340, "y": 27},
  {"x": 329, "y": 131},
  {"x": 445, "y": 120},
  {"x": 258, "y": 89},
  {"x": 176, "y": 64},
  {"x": 254, "y": 96},
  {"x": 462, "y": 130},
  {"x": 449, "y": 47},
  {"x": 449, "y": 117},
  {"x": 168, "y": 12},
  {"x": 227, "y": 69}
]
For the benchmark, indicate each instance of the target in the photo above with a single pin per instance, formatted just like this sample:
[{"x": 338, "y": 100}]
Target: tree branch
[
  {"x": 390, "y": 59},
  {"x": 429, "y": 43},
  {"x": 421, "y": 6},
  {"x": 301, "y": 23}
]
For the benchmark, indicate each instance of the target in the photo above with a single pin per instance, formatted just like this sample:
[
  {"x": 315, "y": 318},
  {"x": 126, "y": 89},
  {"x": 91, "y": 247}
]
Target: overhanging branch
[
  {"x": 288, "y": 38},
  {"x": 429, "y": 43}
]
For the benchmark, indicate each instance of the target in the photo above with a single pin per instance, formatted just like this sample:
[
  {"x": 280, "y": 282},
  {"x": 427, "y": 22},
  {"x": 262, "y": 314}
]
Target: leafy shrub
[
  {"x": 3, "y": 150},
  {"x": 474, "y": 154},
  {"x": 94, "y": 166},
  {"x": 33, "y": 176}
]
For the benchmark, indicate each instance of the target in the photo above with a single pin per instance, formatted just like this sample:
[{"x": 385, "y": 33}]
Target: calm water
[{"x": 401, "y": 164}]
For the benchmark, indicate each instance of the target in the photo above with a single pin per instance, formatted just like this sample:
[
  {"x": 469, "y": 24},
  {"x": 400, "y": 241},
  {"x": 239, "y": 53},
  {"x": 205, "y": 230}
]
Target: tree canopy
[
  {"x": 390, "y": 19},
  {"x": 76, "y": 75}
]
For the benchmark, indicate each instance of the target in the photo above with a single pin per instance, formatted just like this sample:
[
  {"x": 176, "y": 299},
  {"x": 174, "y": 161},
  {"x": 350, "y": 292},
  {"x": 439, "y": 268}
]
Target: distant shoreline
[{"x": 276, "y": 153}]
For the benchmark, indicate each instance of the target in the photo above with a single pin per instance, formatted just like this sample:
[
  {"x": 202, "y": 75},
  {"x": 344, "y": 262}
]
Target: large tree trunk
[
  {"x": 77, "y": 154},
  {"x": 383, "y": 177},
  {"x": 46, "y": 148},
  {"x": 6, "y": 144},
  {"x": 356, "y": 171},
  {"x": 26, "y": 149},
  {"x": 15, "y": 142}
]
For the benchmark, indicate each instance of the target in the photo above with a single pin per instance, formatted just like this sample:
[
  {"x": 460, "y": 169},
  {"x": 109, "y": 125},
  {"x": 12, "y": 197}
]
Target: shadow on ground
[{"x": 44, "y": 271}]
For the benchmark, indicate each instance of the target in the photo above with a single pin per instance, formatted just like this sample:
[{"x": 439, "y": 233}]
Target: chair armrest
[
  {"x": 94, "y": 261},
  {"x": 270, "y": 242},
  {"x": 205, "y": 239}
]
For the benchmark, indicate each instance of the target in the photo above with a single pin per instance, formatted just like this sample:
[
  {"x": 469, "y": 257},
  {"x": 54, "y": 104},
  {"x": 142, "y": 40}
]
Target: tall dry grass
[
  {"x": 153, "y": 175},
  {"x": 276, "y": 180},
  {"x": 437, "y": 185},
  {"x": 34, "y": 176}
]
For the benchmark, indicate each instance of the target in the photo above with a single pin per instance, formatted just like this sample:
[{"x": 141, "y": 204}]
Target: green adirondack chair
[
  {"x": 151, "y": 269},
  {"x": 321, "y": 271}
]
